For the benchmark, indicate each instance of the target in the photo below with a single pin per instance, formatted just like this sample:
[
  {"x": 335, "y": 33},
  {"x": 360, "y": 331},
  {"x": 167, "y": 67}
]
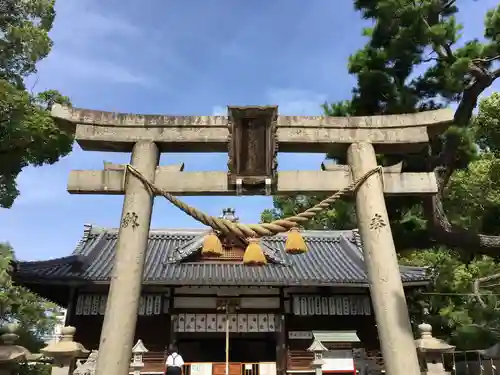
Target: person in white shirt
[{"x": 174, "y": 363}]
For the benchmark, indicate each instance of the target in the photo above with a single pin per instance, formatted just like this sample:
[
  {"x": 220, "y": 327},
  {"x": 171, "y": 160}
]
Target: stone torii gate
[{"x": 252, "y": 136}]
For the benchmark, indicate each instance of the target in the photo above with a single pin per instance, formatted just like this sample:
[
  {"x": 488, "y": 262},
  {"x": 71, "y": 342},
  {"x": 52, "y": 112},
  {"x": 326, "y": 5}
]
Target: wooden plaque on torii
[{"x": 252, "y": 149}]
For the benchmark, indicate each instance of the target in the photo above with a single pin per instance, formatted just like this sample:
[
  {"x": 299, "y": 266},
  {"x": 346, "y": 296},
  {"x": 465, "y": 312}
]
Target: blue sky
[{"x": 183, "y": 57}]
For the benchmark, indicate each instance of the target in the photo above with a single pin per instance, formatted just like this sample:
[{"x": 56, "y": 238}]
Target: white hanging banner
[
  {"x": 338, "y": 361},
  {"x": 95, "y": 304},
  {"x": 335, "y": 305},
  {"x": 267, "y": 368},
  {"x": 217, "y": 322}
]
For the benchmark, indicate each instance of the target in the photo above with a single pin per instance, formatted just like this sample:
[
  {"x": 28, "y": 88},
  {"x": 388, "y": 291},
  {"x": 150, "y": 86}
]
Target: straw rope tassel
[
  {"x": 295, "y": 243},
  {"x": 254, "y": 255},
  {"x": 212, "y": 245}
]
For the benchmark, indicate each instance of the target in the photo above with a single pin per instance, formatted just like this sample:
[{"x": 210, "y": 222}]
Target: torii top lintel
[{"x": 111, "y": 131}]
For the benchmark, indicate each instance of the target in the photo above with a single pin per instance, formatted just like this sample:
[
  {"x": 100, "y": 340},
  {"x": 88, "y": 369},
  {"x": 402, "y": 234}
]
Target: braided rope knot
[{"x": 245, "y": 231}]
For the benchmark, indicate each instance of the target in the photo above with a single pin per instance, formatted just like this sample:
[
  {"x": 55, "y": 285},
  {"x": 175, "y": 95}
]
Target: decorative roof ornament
[{"x": 229, "y": 214}]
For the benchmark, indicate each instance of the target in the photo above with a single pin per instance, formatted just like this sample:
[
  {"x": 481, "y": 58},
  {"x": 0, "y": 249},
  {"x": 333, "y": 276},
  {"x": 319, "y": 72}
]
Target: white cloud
[
  {"x": 297, "y": 102},
  {"x": 46, "y": 185},
  {"x": 77, "y": 23},
  {"x": 73, "y": 66},
  {"x": 219, "y": 110},
  {"x": 90, "y": 44},
  {"x": 291, "y": 102},
  {"x": 41, "y": 186},
  {"x": 95, "y": 24}
]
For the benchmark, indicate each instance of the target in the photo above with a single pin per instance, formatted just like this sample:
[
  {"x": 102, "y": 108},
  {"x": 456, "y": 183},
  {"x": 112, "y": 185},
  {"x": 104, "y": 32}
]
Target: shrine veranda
[{"x": 347, "y": 288}]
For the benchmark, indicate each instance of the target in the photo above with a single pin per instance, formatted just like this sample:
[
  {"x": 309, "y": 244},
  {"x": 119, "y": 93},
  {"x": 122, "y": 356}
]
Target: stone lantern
[
  {"x": 318, "y": 349},
  {"x": 430, "y": 351},
  {"x": 64, "y": 352},
  {"x": 12, "y": 355},
  {"x": 138, "y": 357}
]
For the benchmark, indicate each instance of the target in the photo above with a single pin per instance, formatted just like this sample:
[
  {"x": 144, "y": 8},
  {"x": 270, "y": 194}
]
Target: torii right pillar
[{"x": 386, "y": 287}]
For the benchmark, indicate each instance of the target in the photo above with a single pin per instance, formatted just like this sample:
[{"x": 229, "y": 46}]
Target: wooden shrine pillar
[
  {"x": 172, "y": 337},
  {"x": 280, "y": 334},
  {"x": 120, "y": 319},
  {"x": 386, "y": 287},
  {"x": 70, "y": 309}
]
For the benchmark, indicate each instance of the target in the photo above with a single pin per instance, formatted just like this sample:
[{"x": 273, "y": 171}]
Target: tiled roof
[{"x": 334, "y": 258}]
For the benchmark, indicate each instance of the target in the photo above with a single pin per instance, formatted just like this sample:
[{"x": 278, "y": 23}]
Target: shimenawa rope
[{"x": 251, "y": 230}]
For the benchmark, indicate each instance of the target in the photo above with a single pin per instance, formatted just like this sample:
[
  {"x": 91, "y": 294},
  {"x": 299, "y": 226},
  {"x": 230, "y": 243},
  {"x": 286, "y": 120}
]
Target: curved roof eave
[{"x": 335, "y": 259}]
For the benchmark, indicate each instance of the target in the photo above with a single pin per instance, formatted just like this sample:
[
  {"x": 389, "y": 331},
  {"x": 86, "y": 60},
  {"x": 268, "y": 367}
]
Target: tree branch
[
  {"x": 455, "y": 237},
  {"x": 477, "y": 286},
  {"x": 481, "y": 79},
  {"x": 437, "y": 221},
  {"x": 486, "y": 61},
  {"x": 429, "y": 59}
]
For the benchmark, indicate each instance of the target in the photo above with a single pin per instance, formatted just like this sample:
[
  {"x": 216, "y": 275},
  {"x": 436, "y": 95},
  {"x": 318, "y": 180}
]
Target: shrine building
[{"x": 276, "y": 309}]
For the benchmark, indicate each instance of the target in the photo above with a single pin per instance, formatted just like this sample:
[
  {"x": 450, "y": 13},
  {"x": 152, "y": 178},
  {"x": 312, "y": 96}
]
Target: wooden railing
[
  {"x": 299, "y": 360},
  {"x": 296, "y": 360},
  {"x": 154, "y": 362}
]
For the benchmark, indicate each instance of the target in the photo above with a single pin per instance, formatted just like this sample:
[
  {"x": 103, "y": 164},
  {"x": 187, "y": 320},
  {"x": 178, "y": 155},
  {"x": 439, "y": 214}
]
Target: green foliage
[
  {"x": 411, "y": 63},
  {"x": 487, "y": 124},
  {"x": 24, "y": 26},
  {"x": 35, "y": 316},
  {"x": 341, "y": 216},
  {"x": 450, "y": 307},
  {"x": 34, "y": 369},
  {"x": 28, "y": 135},
  {"x": 473, "y": 199}
]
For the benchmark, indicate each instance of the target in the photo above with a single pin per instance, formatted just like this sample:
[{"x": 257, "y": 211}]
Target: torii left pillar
[{"x": 120, "y": 319}]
